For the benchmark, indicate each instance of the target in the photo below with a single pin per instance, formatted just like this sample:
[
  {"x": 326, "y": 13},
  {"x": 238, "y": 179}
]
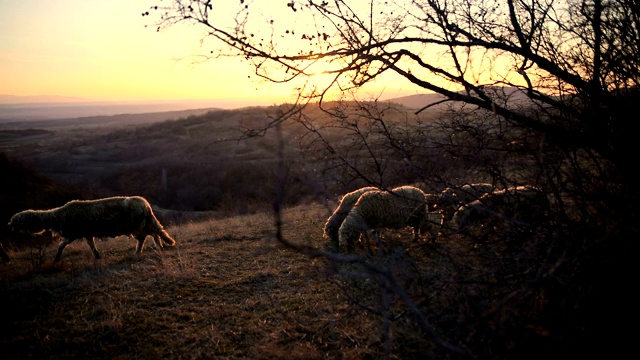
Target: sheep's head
[
  {"x": 350, "y": 230},
  {"x": 433, "y": 201},
  {"x": 27, "y": 222},
  {"x": 332, "y": 228},
  {"x": 331, "y": 232}
]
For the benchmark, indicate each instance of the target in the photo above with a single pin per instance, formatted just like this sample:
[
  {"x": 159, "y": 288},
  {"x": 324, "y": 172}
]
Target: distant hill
[
  {"x": 102, "y": 120},
  {"x": 39, "y": 99},
  {"x": 52, "y": 107},
  {"x": 15, "y": 108},
  {"x": 417, "y": 101}
]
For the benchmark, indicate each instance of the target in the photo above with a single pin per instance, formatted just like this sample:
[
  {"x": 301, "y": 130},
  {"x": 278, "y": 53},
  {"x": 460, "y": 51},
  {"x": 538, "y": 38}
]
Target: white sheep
[
  {"x": 332, "y": 226},
  {"x": 401, "y": 207},
  {"x": 108, "y": 217},
  {"x": 514, "y": 204}
]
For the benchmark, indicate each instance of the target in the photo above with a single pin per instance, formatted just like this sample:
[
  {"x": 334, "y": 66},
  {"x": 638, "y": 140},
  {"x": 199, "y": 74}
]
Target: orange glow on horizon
[{"x": 102, "y": 51}]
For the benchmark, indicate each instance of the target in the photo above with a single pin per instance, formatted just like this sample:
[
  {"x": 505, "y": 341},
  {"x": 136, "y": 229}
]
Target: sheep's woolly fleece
[
  {"x": 332, "y": 226},
  {"x": 526, "y": 201},
  {"x": 451, "y": 198},
  {"x": 108, "y": 217},
  {"x": 403, "y": 206}
]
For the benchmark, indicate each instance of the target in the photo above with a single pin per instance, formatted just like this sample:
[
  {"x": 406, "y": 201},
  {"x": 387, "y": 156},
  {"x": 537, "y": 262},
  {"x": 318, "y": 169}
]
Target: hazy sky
[{"x": 101, "y": 50}]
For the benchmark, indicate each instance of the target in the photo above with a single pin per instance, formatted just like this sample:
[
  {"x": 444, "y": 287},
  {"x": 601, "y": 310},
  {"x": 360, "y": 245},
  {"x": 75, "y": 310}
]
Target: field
[
  {"x": 239, "y": 285},
  {"x": 228, "y": 289}
]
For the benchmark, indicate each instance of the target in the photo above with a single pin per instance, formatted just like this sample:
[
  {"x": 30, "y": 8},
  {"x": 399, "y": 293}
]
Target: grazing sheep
[
  {"x": 401, "y": 207},
  {"x": 521, "y": 204},
  {"x": 332, "y": 226},
  {"x": 450, "y": 199},
  {"x": 447, "y": 202},
  {"x": 109, "y": 217}
]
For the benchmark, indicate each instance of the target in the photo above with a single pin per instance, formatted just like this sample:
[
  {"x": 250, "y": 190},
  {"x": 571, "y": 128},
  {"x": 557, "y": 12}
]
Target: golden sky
[{"x": 100, "y": 50}]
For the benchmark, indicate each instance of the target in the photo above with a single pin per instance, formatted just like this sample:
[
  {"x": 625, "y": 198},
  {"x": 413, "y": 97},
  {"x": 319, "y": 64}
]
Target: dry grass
[
  {"x": 230, "y": 290},
  {"x": 227, "y": 290}
]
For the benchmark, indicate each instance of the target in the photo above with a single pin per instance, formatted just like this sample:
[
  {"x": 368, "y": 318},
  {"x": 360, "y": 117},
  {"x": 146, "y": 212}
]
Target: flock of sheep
[{"x": 360, "y": 214}]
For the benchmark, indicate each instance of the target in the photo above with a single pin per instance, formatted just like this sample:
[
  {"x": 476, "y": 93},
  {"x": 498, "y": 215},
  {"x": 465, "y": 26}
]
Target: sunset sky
[{"x": 102, "y": 51}]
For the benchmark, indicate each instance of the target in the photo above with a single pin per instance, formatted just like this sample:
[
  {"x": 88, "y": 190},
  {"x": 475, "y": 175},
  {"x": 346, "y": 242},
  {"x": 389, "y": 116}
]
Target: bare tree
[
  {"x": 571, "y": 67},
  {"x": 573, "y": 57},
  {"x": 540, "y": 92}
]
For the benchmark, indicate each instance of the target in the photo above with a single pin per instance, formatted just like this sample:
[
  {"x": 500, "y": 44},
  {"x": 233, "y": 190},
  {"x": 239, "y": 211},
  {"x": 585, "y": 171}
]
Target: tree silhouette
[
  {"x": 539, "y": 92},
  {"x": 577, "y": 61}
]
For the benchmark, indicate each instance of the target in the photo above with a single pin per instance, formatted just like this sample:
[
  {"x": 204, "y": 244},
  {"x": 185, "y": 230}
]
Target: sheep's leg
[
  {"x": 445, "y": 222},
  {"x": 431, "y": 227},
  {"x": 63, "y": 244},
  {"x": 158, "y": 242},
  {"x": 440, "y": 225},
  {"x": 92, "y": 245},
  {"x": 140, "y": 246}
]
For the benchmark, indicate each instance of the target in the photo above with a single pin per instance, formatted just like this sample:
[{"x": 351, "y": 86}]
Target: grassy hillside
[
  {"x": 238, "y": 286},
  {"x": 227, "y": 290},
  {"x": 192, "y": 163}
]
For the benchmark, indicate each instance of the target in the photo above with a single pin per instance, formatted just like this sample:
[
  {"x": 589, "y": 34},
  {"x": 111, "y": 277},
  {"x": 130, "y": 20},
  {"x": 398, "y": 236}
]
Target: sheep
[
  {"x": 107, "y": 217},
  {"x": 447, "y": 202},
  {"x": 402, "y": 206},
  {"x": 332, "y": 226},
  {"x": 451, "y": 198},
  {"x": 521, "y": 204}
]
